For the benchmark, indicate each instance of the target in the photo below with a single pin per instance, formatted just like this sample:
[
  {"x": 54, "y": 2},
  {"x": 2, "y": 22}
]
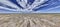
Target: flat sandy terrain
[{"x": 29, "y": 20}]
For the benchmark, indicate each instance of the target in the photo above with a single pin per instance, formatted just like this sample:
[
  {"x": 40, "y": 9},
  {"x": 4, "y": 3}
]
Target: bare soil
[{"x": 29, "y": 20}]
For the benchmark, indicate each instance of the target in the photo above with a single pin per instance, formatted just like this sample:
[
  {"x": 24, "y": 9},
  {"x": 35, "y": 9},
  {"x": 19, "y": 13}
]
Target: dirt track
[{"x": 29, "y": 20}]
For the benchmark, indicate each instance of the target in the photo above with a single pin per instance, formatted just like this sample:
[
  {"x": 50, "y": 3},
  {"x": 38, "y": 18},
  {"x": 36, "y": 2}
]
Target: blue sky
[{"x": 54, "y": 4}]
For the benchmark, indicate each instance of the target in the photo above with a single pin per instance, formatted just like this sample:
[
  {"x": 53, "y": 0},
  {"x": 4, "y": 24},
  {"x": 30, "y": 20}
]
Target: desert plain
[{"x": 29, "y": 20}]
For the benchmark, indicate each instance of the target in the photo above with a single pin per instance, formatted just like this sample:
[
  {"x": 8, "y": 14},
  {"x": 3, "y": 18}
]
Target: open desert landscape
[{"x": 29, "y": 20}]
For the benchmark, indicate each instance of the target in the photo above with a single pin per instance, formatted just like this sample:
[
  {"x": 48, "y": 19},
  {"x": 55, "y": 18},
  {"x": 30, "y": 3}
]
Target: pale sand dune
[{"x": 29, "y": 20}]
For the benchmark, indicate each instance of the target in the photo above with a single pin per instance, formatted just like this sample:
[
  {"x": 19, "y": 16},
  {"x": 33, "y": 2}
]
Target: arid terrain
[{"x": 29, "y": 20}]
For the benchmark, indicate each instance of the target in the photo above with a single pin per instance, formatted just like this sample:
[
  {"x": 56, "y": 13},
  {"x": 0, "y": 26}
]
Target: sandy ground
[{"x": 29, "y": 20}]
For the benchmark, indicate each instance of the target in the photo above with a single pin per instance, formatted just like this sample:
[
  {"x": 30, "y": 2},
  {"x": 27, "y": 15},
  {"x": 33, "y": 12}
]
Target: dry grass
[{"x": 29, "y": 20}]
